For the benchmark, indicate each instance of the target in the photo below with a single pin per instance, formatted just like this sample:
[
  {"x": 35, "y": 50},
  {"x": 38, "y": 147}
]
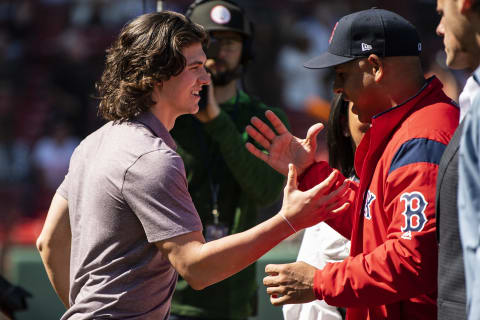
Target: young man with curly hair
[{"x": 122, "y": 224}]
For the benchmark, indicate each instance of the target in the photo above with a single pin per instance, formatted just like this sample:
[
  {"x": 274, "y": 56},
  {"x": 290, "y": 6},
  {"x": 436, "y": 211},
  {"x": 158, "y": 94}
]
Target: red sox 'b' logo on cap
[{"x": 333, "y": 32}]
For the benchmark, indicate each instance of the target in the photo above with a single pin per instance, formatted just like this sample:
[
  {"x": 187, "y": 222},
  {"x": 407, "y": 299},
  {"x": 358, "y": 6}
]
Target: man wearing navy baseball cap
[{"x": 392, "y": 268}]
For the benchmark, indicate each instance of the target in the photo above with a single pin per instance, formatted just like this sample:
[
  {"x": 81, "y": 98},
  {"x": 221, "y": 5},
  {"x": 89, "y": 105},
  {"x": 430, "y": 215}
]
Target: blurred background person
[{"x": 50, "y": 159}]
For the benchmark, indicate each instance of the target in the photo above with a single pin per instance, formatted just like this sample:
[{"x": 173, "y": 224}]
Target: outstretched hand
[{"x": 281, "y": 146}]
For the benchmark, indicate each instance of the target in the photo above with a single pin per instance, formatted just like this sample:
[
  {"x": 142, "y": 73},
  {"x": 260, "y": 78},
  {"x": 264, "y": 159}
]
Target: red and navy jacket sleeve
[{"x": 405, "y": 264}]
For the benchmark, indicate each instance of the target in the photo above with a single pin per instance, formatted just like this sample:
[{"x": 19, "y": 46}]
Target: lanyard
[{"x": 214, "y": 163}]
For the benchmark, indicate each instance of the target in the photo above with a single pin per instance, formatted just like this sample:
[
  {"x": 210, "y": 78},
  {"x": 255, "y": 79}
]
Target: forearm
[
  {"x": 208, "y": 263},
  {"x": 54, "y": 245},
  {"x": 56, "y": 265},
  {"x": 202, "y": 264}
]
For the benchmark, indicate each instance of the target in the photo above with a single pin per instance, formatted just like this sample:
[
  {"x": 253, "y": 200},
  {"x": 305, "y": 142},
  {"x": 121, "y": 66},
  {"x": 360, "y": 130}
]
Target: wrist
[{"x": 286, "y": 223}]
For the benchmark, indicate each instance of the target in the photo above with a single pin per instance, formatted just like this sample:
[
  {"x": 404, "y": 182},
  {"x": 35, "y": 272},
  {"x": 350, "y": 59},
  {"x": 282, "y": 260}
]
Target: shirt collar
[
  {"x": 406, "y": 102},
  {"x": 156, "y": 126},
  {"x": 476, "y": 75}
]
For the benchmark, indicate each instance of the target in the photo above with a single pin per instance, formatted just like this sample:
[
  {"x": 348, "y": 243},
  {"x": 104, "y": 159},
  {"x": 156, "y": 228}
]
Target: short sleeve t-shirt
[{"x": 126, "y": 189}]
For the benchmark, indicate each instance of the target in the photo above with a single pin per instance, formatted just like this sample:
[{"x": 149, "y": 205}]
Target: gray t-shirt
[{"x": 126, "y": 189}]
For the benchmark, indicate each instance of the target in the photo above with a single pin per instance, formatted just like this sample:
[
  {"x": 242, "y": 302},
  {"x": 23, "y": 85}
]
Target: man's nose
[
  {"x": 205, "y": 78},
  {"x": 440, "y": 29}
]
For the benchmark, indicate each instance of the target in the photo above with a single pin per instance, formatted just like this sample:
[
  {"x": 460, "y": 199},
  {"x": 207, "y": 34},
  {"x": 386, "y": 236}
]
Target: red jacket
[{"x": 392, "y": 269}]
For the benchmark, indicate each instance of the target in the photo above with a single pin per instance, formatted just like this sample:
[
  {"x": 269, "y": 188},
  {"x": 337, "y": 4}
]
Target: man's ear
[
  {"x": 465, "y": 6},
  {"x": 377, "y": 66}
]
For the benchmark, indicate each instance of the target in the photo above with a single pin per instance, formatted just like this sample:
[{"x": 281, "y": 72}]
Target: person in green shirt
[{"x": 227, "y": 184}]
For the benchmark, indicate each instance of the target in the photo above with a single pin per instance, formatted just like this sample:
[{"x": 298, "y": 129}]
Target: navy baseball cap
[{"x": 372, "y": 31}]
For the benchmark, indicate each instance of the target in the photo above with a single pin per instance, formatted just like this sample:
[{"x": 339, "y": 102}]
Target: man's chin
[
  {"x": 453, "y": 60},
  {"x": 224, "y": 78}
]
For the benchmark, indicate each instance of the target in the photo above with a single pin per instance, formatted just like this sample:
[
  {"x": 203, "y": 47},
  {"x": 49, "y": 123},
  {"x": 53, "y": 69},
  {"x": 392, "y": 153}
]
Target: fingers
[
  {"x": 339, "y": 200},
  {"x": 270, "y": 281},
  {"x": 256, "y": 152},
  {"x": 278, "y": 300},
  {"x": 265, "y": 130},
  {"x": 276, "y": 122},
  {"x": 258, "y": 137},
  {"x": 326, "y": 185},
  {"x": 339, "y": 195},
  {"x": 273, "y": 268},
  {"x": 280, "y": 295},
  {"x": 292, "y": 182},
  {"x": 313, "y": 131},
  {"x": 342, "y": 209}
]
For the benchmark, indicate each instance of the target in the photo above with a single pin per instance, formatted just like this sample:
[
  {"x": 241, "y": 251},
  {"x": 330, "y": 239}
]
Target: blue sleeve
[{"x": 469, "y": 205}]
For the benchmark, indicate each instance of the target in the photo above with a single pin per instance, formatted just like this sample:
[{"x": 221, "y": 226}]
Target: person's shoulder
[
  {"x": 130, "y": 141},
  {"x": 155, "y": 165},
  {"x": 437, "y": 120},
  {"x": 422, "y": 138}
]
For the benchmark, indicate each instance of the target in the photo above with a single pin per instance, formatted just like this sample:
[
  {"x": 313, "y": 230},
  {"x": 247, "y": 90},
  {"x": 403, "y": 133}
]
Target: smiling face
[
  {"x": 458, "y": 36},
  {"x": 355, "y": 79},
  {"x": 180, "y": 94}
]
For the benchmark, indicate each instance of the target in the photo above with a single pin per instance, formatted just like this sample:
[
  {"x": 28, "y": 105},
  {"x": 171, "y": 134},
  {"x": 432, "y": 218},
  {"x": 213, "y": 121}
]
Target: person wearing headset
[{"x": 227, "y": 184}]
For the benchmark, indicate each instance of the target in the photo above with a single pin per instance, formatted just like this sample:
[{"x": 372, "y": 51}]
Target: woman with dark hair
[
  {"x": 341, "y": 146},
  {"x": 321, "y": 244}
]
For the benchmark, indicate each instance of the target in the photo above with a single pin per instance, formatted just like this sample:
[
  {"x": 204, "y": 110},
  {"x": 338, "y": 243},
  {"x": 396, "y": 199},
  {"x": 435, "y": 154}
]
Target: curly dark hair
[{"x": 147, "y": 52}]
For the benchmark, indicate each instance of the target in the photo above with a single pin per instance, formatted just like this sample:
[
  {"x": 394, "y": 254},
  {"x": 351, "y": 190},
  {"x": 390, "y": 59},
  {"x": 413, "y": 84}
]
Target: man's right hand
[
  {"x": 290, "y": 283},
  {"x": 282, "y": 147}
]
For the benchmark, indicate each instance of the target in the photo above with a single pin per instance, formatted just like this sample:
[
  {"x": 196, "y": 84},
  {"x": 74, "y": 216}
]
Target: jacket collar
[{"x": 386, "y": 122}]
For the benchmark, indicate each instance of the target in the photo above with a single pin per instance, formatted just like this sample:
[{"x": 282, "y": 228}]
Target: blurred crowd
[{"x": 52, "y": 52}]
